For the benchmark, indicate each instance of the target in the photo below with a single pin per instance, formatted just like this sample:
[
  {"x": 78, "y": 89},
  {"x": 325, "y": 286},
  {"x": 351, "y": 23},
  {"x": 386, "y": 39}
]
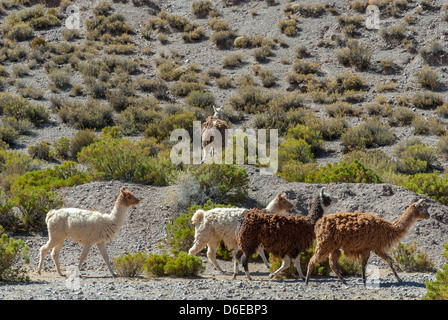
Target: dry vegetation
[{"x": 148, "y": 68}]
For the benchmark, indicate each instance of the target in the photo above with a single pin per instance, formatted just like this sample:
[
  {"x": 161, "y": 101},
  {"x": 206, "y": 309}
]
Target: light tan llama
[{"x": 85, "y": 227}]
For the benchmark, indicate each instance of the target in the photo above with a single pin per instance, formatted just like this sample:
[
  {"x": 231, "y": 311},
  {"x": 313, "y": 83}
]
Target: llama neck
[
  {"x": 119, "y": 210},
  {"x": 273, "y": 206},
  {"x": 404, "y": 222},
  {"x": 317, "y": 210}
]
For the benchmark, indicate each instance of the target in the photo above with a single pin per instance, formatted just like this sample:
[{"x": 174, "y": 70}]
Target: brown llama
[
  {"x": 211, "y": 127},
  {"x": 357, "y": 234},
  {"x": 284, "y": 236}
]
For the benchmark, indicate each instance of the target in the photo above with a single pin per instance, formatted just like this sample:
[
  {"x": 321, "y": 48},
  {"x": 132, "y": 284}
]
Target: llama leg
[
  {"x": 299, "y": 267},
  {"x": 334, "y": 257},
  {"x": 388, "y": 259},
  {"x": 84, "y": 253},
  {"x": 211, "y": 253},
  {"x": 103, "y": 251},
  {"x": 245, "y": 262},
  {"x": 364, "y": 259},
  {"x": 55, "y": 256},
  {"x": 260, "y": 251},
  {"x": 286, "y": 261},
  {"x": 236, "y": 256},
  {"x": 43, "y": 252},
  {"x": 317, "y": 257}
]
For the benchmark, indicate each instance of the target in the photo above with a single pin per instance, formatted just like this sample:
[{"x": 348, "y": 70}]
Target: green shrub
[
  {"x": 13, "y": 164},
  {"x": 22, "y": 109},
  {"x": 411, "y": 259},
  {"x": 430, "y": 184},
  {"x": 13, "y": 254},
  {"x": 61, "y": 149},
  {"x": 438, "y": 288},
  {"x": 182, "y": 265},
  {"x": 312, "y": 137},
  {"x": 295, "y": 150},
  {"x": 65, "y": 175},
  {"x": 161, "y": 128},
  {"x": 33, "y": 204},
  {"x": 130, "y": 265},
  {"x": 354, "y": 172},
  {"x": 122, "y": 159}
]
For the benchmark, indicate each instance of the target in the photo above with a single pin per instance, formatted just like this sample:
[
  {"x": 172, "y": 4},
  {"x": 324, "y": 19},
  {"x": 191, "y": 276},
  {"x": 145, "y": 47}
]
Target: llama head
[
  {"x": 128, "y": 198},
  {"x": 326, "y": 199},
  {"x": 420, "y": 209},
  {"x": 282, "y": 203},
  {"x": 217, "y": 111}
]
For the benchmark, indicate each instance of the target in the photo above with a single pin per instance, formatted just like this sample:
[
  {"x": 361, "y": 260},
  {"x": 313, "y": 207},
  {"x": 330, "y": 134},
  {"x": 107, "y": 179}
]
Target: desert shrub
[
  {"x": 136, "y": 119},
  {"x": 13, "y": 254},
  {"x": 340, "y": 109},
  {"x": 200, "y": 99},
  {"x": 82, "y": 138},
  {"x": 304, "y": 67},
  {"x": 201, "y": 8},
  {"x": 223, "y": 39},
  {"x": 288, "y": 27},
  {"x": 40, "y": 151},
  {"x": 438, "y": 288},
  {"x": 355, "y": 54},
  {"x": 266, "y": 76},
  {"x": 104, "y": 8},
  {"x": 413, "y": 156},
  {"x": 91, "y": 115},
  {"x": 402, "y": 116},
  {"x": 411, "y": 259},
  {"x": 232, "y": 60},
  {"x": 426, "y": 100},
  {"x": 394, "y": 34},
  {"x": 224, "y": 82},
  {"x": 261, "y": 54},
  {"x": 113, "y": 24},
  {"x": 442, "y": 146},
  {"x": 61, "y": 149},
  {"x": 427, "y": 78},
  {"x": 354, "y": 172},
  {"x": 250, "y": 99},
  {"x": 367, "y": 135},
  {"x": 161, "y": 128},
  {"x": 122, "y": 159},
  {"x": 180, "y": 230},
  {"x": 130, "y": 265},
  {"x": 21, "y": 109},
  {"x": 182, "y": 265},
  {"x": 432, "y": 52},
  {"x": 13, "y": 164},
  {"x": 20, "y": 32},
  {"x": 377, "y": 160},
  {"x": 344, "y": 82}
]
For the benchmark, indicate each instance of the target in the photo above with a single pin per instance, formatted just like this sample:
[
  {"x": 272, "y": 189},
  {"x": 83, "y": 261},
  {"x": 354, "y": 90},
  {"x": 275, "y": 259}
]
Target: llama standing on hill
[
  {"x": 219, "y": 224},
  {"x": 211, "y": 127},
  {"x": 357, "y": 234},
  {"x": 85, "y": 227},
  {"x": 284, "y": 236}
]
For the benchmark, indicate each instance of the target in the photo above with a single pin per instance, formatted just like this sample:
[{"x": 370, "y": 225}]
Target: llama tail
[
  {"x": 197, "y": 216},
  {"x": 49, "y": 214}
]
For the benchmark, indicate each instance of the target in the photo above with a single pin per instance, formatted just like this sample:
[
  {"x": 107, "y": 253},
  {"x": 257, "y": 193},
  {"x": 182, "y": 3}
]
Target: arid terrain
[{"x": 322, "y": 34}]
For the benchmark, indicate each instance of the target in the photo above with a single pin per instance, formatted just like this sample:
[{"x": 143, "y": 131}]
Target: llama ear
[
  {"x": 322, "y": 191},
  {"x": 122, "y": 189},
  {"x": 419, "y": 202}
]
